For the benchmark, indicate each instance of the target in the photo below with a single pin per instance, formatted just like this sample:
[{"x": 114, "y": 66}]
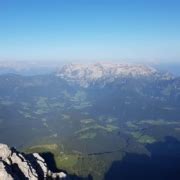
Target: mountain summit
[
  {"x": 86, "y": 74},
  {"x": 15, "y": 165}
]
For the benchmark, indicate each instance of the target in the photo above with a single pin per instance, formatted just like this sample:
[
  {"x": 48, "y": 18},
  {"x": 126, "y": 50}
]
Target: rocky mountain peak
[
  {"x": 17, "y": 166},
  {"x": 86, "y": 74}
]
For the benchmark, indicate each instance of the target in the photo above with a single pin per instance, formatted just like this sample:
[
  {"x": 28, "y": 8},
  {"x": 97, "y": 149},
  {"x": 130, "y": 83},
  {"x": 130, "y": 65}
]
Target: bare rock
[
  {"x": 4, "y": 172},
  {"x": 5, "y": 152},
  {"x": 16, "y": 166}
]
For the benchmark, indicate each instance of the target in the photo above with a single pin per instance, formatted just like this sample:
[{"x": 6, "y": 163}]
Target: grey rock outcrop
[
  {"x": 89, "y": 74},
  {"x": 19, "y": 166},
  {"x": 4, "y": 172}
]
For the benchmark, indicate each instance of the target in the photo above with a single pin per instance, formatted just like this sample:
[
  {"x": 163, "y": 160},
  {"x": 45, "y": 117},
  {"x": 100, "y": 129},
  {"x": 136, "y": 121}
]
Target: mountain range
[
  {"x": 96, "y": 119},
  {"x": 88, "y": 74}
]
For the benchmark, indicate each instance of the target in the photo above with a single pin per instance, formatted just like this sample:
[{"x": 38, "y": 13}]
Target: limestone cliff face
[
  {"x": 89, "y": 74},
  {"x": 18, "y": 166}
]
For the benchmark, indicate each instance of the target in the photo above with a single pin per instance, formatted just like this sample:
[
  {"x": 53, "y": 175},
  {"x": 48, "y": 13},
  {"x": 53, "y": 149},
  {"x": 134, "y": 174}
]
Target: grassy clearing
[
  {"x": 40, "y": 111},
  {"x": 66, "y": 94},
  {"x": 142, "y": 138},
  {"x": 82, "y": 105},
  {"x": 87, "y": 121},
  {"x": 62, "y": 160},
  {"x": 25, "y": 114},
  {"x": 56, "y": 105},
  {"x": 159, "y": 122},
  {"x": 107, "y": 128},
  {"x": 54, "y": 148},
  {"x": 42, "y": 102},
  {"x": 65, "y": 116},
  {"x": 90, "y": 132},
  {"x": 131, "y": 125},
  {"x": 66, "y": 161},
  {"x": 145, "y": 139},
  {"x": 111, "y": 119},
  {"x": 25, "y": 105},
  {"x": 79, "y": 96},
  {"x": 6, "y": 102},
  {"x": 177, "y": 129},
  {"x": 168, "y": 108},
  {"x": 88, "y": 135},
  {"x": 111, "y": 128}
]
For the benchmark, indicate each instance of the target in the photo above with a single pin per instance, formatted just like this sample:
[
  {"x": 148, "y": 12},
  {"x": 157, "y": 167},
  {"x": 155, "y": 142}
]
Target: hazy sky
[{"x": 90, "y": 30}]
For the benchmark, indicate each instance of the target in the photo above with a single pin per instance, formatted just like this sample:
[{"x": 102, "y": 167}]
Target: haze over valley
[
  {"x": 90, "y": 116},
  {"x": 89, "y": 90}
]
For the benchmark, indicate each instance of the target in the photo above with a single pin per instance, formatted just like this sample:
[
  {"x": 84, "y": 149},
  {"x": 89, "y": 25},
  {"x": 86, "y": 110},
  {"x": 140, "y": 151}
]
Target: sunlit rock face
[
  {"x": 16, "y": 165},
  {"x": 87, "y": 74},
  {"x": 5, "y": 152}
]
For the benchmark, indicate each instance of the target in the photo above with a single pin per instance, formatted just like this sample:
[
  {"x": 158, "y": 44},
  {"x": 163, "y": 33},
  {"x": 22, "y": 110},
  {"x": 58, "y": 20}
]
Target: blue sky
[{"x": 90, "y": 30}]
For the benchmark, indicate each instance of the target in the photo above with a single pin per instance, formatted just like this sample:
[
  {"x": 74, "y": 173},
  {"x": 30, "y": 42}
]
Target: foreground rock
[{"x": 18, "y": 166}]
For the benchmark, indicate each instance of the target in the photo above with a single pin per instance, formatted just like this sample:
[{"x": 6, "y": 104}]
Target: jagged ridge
[
  {"x": 86, "y": 74},
  {"x": 17, "y": 166}
]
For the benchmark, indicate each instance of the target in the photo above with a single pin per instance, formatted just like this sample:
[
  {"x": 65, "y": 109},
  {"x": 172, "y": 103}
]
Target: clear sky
[{"x": 90, "y": 30}]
